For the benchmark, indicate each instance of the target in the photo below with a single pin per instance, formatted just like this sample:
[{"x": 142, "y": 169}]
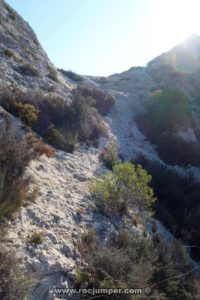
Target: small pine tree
[{"x": 127, "y": 186}]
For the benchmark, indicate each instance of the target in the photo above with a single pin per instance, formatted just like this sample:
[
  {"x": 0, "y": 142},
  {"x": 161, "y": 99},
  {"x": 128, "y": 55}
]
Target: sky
[{"x": 103, "y": 37}]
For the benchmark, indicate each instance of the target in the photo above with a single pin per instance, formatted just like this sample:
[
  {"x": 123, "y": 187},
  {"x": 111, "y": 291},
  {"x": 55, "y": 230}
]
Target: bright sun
[{"x": 173, "y": 20}]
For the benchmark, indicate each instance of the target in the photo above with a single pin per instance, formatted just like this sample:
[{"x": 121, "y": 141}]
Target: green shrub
[
  {"x": 127, "y": 186},
  {"x": 167, "y": 112},
  {"x": 177, "y": 101},
  {"x": 54, "y": 137},
  {"x": 35, "y": 239},
  {"x": 27, "y": 113},
  {"x": 15, "y": 103},
  {"x": 61, "y": 140}
]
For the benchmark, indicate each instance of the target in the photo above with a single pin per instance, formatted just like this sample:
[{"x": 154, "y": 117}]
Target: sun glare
[{"x": 173, "y": 20}]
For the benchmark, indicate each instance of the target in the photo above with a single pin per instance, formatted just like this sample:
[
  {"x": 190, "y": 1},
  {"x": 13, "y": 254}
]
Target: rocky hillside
[
  {"x": 178, "y": 69},
  {"x": 25, "y": 64},
  {"x": 46, "y": 232},
  {"x": 23, "y": 61}
]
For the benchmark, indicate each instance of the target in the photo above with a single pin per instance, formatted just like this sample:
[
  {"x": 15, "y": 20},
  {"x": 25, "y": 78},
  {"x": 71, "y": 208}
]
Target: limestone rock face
[{"x": 23, "y": 62}]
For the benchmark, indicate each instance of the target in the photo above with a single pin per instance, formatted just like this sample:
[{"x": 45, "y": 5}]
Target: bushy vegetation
[
  {"x": 35, "y": 239},
  {"x": 129, "y": 261},
  {"x": 178, "y": 204},
  {"x": 102, "y": 100},
  {"x": 28, "y": 113},
  {"x": 60, "y": 123},
  {"x": 126, "y": 187},
  {"x": 71, "y": 75},
  {"x": 15, "y": 155},
  {"x": 123, "y": 259},
  {"x": 167, "y": 112},
  {"x": 38, "y": 146}
]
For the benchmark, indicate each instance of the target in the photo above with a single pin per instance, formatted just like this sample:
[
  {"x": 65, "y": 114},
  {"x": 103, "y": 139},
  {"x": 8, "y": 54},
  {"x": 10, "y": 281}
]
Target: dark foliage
[
  {"x": 168, "y": 112},
  {"x": 178, "y": 205}
]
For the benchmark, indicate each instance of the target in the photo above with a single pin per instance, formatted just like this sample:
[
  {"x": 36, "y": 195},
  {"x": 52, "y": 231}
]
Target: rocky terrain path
[
  {"x": 64, "y": 208},
  {"x": 131, "y": 90},
  {"x": 130, "y": 139},
  {"x": 60, "y": 213}
]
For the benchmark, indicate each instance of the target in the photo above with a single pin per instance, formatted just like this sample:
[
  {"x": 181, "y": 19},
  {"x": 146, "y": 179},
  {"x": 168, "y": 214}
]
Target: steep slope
[
  {"x": 131, "y": 89},
  {"x": 182, "y": 59},
  {"x": 178, "y": 68},
  {"x": 61, "y": 212},
  {"x": 64, "y": 208},
  {"x": 23, "y": 61}
]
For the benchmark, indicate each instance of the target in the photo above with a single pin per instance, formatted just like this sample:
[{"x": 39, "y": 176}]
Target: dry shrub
[
  {"x": 15, "y": 283},
  {"x": 88, "y": 241},
  {"x": 110, "y": 156},
  {"x": 39, "y": 147},
  {"x": 28, "y": 70},
  {"x": 124, "y": 262},
  {"x": 103, "y": 101},
  {"x": 44, "y": 149},
  {"x": 28, "y": 113},
  {"x": 62, "y": 123},
  {"x": 15, "y": 155},
  {"x": 128, "y": 261}
]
